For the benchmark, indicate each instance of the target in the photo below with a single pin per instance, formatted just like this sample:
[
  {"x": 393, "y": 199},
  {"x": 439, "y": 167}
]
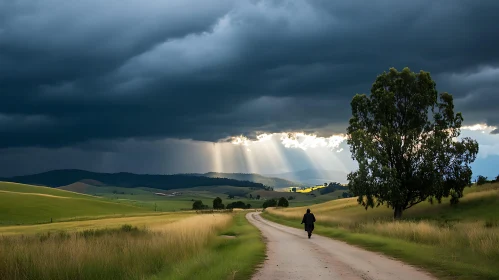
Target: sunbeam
[{"x": 217, "y": 164}]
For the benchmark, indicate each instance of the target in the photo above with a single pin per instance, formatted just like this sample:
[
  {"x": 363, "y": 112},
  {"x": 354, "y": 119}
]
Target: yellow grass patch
[
  {"x": 119, "y": 254},
  {"x": 140, "y": 221},
  {"x": 307, "y": 190}
]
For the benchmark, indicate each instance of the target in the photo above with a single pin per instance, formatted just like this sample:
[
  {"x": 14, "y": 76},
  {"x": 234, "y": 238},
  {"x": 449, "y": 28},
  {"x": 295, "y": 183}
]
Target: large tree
[{"x": 404, "y": 138}]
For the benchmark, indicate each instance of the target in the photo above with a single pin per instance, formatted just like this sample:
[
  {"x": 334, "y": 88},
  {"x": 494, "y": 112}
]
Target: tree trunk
[{"x": 397, "y": 214}]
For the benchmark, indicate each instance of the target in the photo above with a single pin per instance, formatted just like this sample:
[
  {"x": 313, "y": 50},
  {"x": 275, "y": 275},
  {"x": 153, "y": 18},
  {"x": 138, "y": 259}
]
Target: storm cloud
[{"x": 76, "y": 72}]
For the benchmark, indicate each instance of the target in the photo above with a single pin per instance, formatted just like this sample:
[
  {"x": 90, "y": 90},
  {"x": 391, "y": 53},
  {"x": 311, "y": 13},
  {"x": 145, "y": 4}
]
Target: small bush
[
  {"x": 481, "y": 180},
  {"x": 491, "y": 223},
  {"x": 283, "y": 202}
]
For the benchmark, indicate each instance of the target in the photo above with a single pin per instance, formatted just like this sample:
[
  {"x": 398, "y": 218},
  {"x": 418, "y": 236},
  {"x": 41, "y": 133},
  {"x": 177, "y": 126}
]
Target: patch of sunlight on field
[
  {"x": 307, "y": 190},
  {"x": 140, "y": 221},
  {"x": 123, "y": 253}
]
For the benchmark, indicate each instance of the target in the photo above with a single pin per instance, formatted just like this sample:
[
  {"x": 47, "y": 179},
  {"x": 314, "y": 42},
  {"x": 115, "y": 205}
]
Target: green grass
[
  {"x": 460, "y": 242},
  {"x": 23, "y": 188},
  {"x": 25, "y": 204},
  {"x": 226, "y": 258},
  {"x": 145, "y": 197}
]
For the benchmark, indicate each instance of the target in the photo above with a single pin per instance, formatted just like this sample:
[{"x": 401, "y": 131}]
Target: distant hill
[
  {"x": 79, "y": 187},
  {"x": 313, "y": 176},
  {"x": 92, "y": 182},
  {"x": 257, "y": 178},
  {"x": 58, "y": 178}
]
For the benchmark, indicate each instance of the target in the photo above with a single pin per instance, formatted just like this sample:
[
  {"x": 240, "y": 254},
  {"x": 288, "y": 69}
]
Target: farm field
[
  {"x": 448, "y": 241},
  {"x": 166, "y": 246},
  {"x": 146, "y": 197}
]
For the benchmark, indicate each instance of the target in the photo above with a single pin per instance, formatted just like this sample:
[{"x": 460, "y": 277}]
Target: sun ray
[{"x": 217, "y": 164}]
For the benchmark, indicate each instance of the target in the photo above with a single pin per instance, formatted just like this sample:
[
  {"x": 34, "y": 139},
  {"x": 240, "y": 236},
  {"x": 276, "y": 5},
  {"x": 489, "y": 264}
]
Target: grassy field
[
  {"x": 25, "y": 204},
  {"x": 168, "y": 246},
  {"x": 146, "y": 198},
  {"x": 232, "y": 255},
  {"x": 460, "y": 242},
  {"x": 93, "y": 223}
]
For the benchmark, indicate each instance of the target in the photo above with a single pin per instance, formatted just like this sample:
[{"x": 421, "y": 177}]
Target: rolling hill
[
  {"x": 58, "y": 178},
  {"x": 27, "y": 204},
  {"x": 274, "y": 182},
  {"x": 313, "y": 176}
]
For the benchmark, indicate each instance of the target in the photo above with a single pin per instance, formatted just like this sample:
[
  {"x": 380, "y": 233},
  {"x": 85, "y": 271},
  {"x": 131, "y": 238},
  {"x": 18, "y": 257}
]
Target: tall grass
[
  {"x": 464, "y": 232},
  {"x": 125, "y": 253}
]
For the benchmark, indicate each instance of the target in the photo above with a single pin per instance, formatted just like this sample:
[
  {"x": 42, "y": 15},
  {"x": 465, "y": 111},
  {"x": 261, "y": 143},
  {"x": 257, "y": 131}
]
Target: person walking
[{"x": 308, "y": 220}]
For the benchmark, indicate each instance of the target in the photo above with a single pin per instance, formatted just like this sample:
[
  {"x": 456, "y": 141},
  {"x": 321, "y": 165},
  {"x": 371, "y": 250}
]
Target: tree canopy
[
  {"x": 404, "y": 137},
  {"x": 283, "y": 202},
  {"x": 198, "y": 204},
  {"x": 217, "y": 203},
  {"x": 238, "y": 204},
  {"x": 270, "y": 203}
]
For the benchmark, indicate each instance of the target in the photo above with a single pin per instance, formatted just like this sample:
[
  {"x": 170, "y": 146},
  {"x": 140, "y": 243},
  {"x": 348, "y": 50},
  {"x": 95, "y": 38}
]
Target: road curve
[{"x": 291, "y": 255}]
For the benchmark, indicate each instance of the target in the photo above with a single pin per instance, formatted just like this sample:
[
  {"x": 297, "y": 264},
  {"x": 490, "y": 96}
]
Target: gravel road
[{"x": 291, "y": 255}]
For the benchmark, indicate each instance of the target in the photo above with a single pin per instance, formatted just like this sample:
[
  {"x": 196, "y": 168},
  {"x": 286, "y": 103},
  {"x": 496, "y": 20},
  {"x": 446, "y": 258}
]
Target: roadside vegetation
[
  {"x": 169, "y": 249},
  {"x": 448, "y": 240},
  {"x": 233, "y": 255}
]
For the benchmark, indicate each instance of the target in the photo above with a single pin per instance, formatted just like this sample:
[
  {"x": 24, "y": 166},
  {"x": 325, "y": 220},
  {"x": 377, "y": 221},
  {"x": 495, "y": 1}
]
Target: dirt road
[{"x": 291, "y": 255}]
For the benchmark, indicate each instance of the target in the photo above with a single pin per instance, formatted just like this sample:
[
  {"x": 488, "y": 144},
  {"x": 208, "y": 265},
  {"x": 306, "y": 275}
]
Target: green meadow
[{"x": 25, "y": 204}]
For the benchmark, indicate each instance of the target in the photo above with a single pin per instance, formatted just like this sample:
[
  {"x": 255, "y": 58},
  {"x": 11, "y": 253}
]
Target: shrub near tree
[
  {"x": 481, "y": 180},
  {"x": 404, "y": 138},
  {"x": 283, "y": 202},
  {"x": 198, "y": 205},
  {"x": 270, "y": 203}
]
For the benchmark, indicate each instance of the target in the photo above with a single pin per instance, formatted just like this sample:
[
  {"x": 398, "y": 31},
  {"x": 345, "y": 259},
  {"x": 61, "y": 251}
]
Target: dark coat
[{"x": 308, "y": 220}]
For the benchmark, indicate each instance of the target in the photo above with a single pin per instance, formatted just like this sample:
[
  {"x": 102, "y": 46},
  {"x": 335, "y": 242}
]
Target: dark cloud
[
  {"x": 160, "y": 157},
  {"x": 205, "y": 70}
]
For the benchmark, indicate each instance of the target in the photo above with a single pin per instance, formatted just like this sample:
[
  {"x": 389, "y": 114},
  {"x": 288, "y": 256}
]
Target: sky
[{"x": 163, "y": 86}]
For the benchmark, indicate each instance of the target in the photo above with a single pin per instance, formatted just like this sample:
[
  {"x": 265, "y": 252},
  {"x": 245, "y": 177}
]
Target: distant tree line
[
  {"x": 482, "y": 180},
  {"x": 218, "y": 205},
  {"x": 331, "y": 187},
  {"x": 282, "y": 202},
  {"x": 60, "y": 178}
]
